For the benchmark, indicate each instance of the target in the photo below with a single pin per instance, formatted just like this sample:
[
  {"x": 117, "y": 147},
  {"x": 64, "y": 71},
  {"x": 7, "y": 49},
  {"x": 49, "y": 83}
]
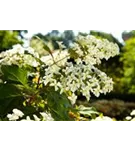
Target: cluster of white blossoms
[
  {"x": 17, "y": 115},
  {"x": 81, "y": 75},
  {"x": 19, "y": 56},
  {"x": 72, "y": 70},
  {"x": 92, "y": 50},
  {"x": 131, "y": 117},
  {"x": 78, "y": 77}
]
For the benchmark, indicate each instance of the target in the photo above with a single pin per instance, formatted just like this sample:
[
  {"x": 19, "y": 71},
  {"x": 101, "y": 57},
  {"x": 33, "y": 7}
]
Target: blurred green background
[{"x": 121, "y": 68}]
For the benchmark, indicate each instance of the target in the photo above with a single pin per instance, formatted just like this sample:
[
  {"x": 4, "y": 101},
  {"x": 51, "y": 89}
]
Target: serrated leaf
[{"x": 14, "y": 73}]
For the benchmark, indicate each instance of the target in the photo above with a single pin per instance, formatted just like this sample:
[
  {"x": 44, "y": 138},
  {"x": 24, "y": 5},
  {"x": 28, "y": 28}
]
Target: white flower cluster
[
  {"x": 44, "y": 117},
  {"x": 78, "y": 77},
  {"x": 71, "y": 77},
  {"x": 18, "y": 56},
  {"x": 81, "y": 76},
  {"x": 131, "y": 117},
  {"x": 17, "y": 114},
  {"x": 92, "y": 50}
]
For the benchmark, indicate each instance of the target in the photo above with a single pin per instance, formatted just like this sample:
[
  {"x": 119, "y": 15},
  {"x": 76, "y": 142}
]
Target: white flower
[
  {"x": 55, "y": 84},
  {"x": 18, "y": 112},
  {"x": 36, "y": 118},
  {"x": 12, "y": 117},
  {"x": 128, "y": 118},
  {"x": 132, "y": 113},
  {"x": 72, "y": 98},
  {"x": 46, "y": 116},
  {"x": 27, "y": 119}
]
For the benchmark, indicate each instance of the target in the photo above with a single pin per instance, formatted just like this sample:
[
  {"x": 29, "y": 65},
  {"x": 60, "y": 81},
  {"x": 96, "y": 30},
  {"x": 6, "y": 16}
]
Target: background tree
[
  {"x": 8, "y": 38},
  {"x": 21, "y": 33},
  {"x": 51, "y": 38},
  {"x": 128, "y": 35},
  {"x": 128, "y": 59},
  {"x": 68, "y": 37}
]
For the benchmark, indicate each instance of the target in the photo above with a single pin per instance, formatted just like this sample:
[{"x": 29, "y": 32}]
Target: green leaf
[
  {"x": 15, "y": 74},
  {"x": 10, "y": 98},
  {"x": 87, "y": 111},
  {"x": 7, "y": 105},
  {"x": 44, "y": 44},
  {"x": 59, "y": 105},
  {"x": 9, "y": 91},
  {"x": 29, "y": 110}
]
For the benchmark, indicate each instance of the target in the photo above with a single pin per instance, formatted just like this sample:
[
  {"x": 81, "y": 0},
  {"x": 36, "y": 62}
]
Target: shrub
[{"x": 51, "y": 84}]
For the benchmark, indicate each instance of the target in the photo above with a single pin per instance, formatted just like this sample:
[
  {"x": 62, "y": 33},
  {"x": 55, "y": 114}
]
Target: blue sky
[{"x": 116, "y": 33}]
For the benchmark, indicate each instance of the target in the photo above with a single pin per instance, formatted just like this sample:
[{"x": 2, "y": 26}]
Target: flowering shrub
[{"x": 51, "y": 84}]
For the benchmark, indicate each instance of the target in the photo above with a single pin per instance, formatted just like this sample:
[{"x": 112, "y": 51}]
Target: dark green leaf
[
  {"x": 7, "y": 105},
  {"x": 59, "y": 105},
  {"x": 29, "y": 110},
  {"x": 10, "y": 98},
  {"x": 9, "y": 91},
  {"x": 15, "y": 74}
]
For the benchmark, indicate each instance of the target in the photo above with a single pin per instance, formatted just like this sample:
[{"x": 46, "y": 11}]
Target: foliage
[
  {"x": 21, "y": 33},
  {"x": 128, "y": 59},
  {"x": 50, "y": 84},
  {"x": 128, "y": 35},
  {"x": 8, "y": 38},
  {"x": 51, "y": 39}
]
